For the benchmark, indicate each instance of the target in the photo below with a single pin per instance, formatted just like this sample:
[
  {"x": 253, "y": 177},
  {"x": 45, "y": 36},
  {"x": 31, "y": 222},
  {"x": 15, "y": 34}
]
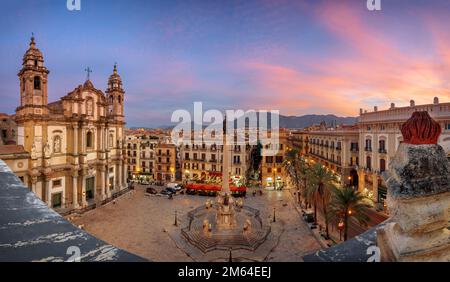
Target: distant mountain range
[
  {"x": 298, "y": 122},
  {"x": 308, "y": 120}
]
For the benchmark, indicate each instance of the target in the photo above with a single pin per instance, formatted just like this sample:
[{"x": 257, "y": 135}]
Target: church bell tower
[
  {"x": 33, "y": 83},
  {"x": 115, "y": 96}
]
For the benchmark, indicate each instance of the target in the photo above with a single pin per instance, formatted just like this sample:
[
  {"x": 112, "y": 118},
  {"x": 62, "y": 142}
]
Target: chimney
[
  {"x": 412, "y": 103},
  {"x": 436, "y": 100},
  {"x": 360, "y": 111},
  {"x": 375, "y": 109},
  {"x": 392, "y": 105}
]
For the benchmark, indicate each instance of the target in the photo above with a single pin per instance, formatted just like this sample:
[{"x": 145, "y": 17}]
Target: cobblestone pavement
[{"x": 137, "y": 222}]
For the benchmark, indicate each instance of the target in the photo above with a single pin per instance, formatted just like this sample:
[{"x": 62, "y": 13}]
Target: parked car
[
  {"x": 174, "y": 185},
  {"x": 151, "y": 190},
  {"x": 171, "y": 190},
  {"x": 308, "y": 216},
  {"x": 164, "y": 193}
]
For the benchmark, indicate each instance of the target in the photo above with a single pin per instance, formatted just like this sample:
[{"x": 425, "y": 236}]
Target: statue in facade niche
[
  {"x": 33, "y": 151},
  {"x": 47, "y": 150},
  {"x": 57, "y": 145}
]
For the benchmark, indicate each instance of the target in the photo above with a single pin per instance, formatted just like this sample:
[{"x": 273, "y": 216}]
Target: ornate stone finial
[
  {"x": 32, "y": 43},
  {"x": 418, "y": 182},
  {"x": 421, "y": 129},
  {"x": 115, "y": 68}
]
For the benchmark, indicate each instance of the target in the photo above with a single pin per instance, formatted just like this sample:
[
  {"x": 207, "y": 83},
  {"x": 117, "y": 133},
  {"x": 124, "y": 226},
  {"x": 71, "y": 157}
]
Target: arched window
[
  {"x": 89, "y": 140},
  {"x": 57, "y": 144},
  {"x": 111, "y": 99},
  {"x": 382, "y": 165},
  {"x": 37, "y": 83},
  {"x": 382, "y": 146},
  {"x": 119, "y": 99},
  {"x": 368, "y": 144},
  {"x": 369, "y": 162},
  {"x": 23, "y": 84}
]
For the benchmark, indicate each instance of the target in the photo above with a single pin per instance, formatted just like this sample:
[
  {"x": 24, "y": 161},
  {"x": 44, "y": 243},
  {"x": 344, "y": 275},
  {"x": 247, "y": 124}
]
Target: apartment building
[
  {"x": 380, "y": 136},
  {"x": 273, "y": 172},
  {"x": 166, "y": 162},
  {"x": 360, "y": 154},
  {"x": 336, "y": 148},
  {"x": 204, "y": 162}
]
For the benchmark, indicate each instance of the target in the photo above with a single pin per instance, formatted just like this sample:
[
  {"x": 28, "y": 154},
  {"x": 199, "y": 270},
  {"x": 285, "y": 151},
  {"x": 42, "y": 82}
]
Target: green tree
[
  {"x": 256, "y": 159},
  {"x": 322, "y": 182},
  {"x": 297, "y": 169},
  {"x": 346, "y": 203}
]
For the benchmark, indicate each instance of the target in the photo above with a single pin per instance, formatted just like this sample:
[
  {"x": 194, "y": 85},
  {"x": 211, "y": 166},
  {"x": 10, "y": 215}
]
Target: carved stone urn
[{"x": 418, "y": 199}]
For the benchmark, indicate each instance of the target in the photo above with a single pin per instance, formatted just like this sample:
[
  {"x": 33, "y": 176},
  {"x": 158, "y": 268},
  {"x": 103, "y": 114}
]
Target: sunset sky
[{"x": 299, "y": 57}]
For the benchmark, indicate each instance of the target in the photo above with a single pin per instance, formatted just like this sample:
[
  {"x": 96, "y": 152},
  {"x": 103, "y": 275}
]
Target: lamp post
[
  {"x": 274, "y": 219},
  {"x": 176, "y": 219}
]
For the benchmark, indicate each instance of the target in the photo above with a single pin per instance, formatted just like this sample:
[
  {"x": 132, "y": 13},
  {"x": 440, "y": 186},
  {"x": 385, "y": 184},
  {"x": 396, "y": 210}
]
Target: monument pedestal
[{"x": 418, "y": 231}]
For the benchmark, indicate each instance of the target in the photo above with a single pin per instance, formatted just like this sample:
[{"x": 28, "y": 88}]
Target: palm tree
[
  {"x": 322, "y": 182},
  {"x": 297, "y": 169},
  {"x": 346, "y": 203}
]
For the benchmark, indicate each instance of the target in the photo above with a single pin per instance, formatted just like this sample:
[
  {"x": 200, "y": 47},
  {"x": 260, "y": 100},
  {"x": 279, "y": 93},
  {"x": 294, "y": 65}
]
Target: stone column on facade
[
  {"x": 418, "y": 182},
  {"x": 103, "y": 184},
  {"x": 48, "y": 191},
  {"x": 75, "y": 143},
  {"x": 83, "y": 191},
  {"x": 119, "y": 175},
  {"x": 75, "y": 191},
  {"x": 33, "y": 184},
  {"x": 124, "y": 174},
  {"x": 83, "y": 140}
]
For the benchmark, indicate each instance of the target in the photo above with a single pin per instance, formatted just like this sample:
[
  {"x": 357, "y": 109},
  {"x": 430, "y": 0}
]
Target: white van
[{"x": 174, "y": 185}]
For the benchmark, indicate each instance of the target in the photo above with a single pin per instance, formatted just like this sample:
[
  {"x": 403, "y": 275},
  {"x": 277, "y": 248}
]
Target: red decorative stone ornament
[{"x": 421, "y": 129}]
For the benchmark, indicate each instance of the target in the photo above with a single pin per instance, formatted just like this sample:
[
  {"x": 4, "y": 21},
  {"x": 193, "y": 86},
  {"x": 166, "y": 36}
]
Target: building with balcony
[
  {"x": 380, "y": 136},
  {"x": 204, "y": 162},
  {"x": 360, "y": 154},
  {"x": 336, "y": 148},
  {"x": 273, "y": 172}
]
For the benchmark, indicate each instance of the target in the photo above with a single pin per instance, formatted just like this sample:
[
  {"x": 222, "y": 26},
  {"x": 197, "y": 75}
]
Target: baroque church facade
[{"x": 76, "y": 144}]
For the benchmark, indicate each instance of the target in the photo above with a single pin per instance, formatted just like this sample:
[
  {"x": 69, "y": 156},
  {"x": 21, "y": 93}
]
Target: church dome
[
  {"x": 114, "y": 81},
  {"x": 32, "y": 53}
]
